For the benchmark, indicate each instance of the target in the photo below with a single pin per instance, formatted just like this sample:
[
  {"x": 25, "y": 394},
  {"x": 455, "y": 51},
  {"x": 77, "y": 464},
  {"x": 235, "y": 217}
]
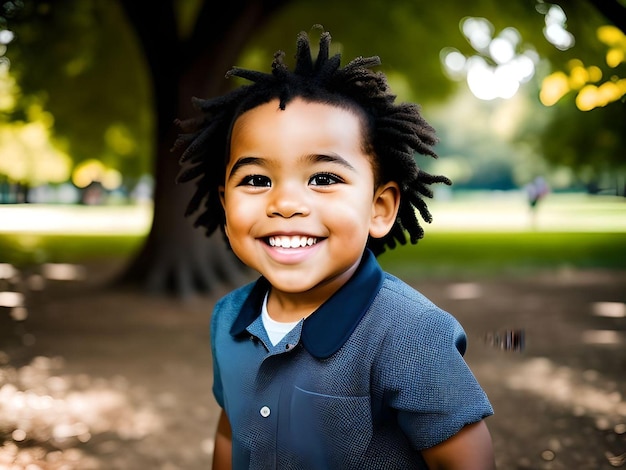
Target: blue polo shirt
[{"x": 375, "y": 375}]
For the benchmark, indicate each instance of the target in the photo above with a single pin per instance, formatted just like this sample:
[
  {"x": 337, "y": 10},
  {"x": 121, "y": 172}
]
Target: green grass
[
  {"x": 23, "y": 249},
  {"x": 512, "y": 253}
]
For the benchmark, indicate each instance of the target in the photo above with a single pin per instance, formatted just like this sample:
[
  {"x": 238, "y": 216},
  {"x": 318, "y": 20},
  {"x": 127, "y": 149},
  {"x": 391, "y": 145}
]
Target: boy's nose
[{"x": 287, "y": 203}]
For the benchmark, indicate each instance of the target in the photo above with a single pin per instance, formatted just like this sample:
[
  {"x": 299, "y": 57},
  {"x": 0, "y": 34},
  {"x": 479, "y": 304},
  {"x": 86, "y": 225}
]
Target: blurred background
[{"x": 106, "y": 287}]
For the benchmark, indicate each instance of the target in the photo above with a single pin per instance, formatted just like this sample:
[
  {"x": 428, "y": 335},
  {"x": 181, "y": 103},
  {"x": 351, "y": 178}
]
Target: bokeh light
[
  {"x": 40, "y": 161},
  {"x": 93, "y": 170},
  {"x": 502, "y": 62},
  {"x": 555, "y": 29}
]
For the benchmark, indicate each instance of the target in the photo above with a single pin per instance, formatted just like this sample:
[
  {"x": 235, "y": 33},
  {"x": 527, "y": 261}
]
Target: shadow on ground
[{"x": 98, "y": 379}]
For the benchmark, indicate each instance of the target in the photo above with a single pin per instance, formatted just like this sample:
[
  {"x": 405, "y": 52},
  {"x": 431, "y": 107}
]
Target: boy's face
[{"x": 299, "y": 196}]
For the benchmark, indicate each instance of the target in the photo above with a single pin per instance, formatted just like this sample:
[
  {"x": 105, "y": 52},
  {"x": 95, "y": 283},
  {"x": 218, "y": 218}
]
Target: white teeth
[{"x": 292, "y": 242}]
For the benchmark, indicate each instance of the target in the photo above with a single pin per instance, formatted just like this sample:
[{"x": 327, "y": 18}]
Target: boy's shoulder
[
  {"x": 395, "y": 290},
  {"x": 398, "y": 299}
]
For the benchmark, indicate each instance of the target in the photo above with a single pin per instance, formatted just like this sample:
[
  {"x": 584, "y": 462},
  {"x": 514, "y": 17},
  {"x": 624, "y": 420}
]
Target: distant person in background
[
  {"x": 326, "y": 362},
  {"x": 536, "y": 190},
  {"x": 93, "y": 194}
]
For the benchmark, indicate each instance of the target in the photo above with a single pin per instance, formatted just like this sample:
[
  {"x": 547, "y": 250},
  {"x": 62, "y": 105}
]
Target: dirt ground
[{"x": 98, "y": 379}]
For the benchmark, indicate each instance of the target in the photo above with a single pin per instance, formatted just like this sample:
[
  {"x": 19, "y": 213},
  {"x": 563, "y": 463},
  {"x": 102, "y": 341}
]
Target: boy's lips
[
  {"x": 291, "y": 250},
  {"x": 291, "y": 241}
]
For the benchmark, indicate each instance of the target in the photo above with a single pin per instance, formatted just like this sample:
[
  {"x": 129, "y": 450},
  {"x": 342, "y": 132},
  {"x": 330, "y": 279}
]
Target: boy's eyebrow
[
  {"x": 243, "y": 161},
  {"x": 331, "y": 159},
  {"x": 314, "y": 158}
]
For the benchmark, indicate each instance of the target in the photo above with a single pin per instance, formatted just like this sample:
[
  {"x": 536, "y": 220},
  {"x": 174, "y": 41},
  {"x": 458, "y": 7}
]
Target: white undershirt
[{"x": 276, "y": 330}]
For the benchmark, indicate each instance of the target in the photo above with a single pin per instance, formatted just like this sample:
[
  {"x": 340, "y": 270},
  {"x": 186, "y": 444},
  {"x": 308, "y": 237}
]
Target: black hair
[{"x": 394, "y": 132}]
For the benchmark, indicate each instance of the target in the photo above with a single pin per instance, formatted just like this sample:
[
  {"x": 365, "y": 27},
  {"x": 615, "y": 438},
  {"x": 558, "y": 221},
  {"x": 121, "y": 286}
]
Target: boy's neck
[{"x": 293, "y": 306}]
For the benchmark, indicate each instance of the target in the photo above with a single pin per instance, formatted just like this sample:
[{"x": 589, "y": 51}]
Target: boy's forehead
[
  {"x": 313, "y": 121},
  {"x": 316, "y": 113},
  {"x": 304, "y": 130}
]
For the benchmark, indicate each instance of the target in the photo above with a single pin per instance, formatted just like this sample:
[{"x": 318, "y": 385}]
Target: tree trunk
[{"x": 177, "y": 258}]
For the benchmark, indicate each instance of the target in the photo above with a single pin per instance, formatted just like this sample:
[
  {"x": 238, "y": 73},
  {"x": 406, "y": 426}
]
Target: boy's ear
[{"x": 384, "y": 209}]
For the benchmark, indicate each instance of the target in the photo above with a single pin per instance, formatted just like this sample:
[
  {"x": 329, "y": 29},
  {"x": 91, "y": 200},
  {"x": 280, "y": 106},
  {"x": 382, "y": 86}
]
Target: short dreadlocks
[{"x": 395, "y": 132}]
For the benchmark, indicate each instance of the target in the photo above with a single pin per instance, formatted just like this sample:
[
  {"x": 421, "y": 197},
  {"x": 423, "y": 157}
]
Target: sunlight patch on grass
[
  {"x": 510, "y": 212},
  {"x": 75, "y": 219}
]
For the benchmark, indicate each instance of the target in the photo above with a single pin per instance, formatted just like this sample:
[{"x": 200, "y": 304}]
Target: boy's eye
[
  {"x": 256, "y": 180},
  {"x": 324, "y": 179}
]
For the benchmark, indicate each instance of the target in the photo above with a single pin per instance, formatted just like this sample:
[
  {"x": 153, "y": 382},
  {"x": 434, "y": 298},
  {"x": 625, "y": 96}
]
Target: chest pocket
[{"x": 331, "y": 430}]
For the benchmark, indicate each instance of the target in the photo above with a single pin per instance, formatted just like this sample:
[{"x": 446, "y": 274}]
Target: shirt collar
[{"x": 329, "y": 327}]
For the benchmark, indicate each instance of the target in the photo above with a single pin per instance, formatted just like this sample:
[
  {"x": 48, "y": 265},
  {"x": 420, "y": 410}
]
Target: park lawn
[
  {"x": 439, "y": 254},
  {"x": 466, "y": 254},
  {"x": 24, "y": 249}
]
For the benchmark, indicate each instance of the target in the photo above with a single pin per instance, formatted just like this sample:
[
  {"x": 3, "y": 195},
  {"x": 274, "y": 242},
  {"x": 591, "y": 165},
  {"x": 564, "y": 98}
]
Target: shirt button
[{"x": 265, "y": 411}]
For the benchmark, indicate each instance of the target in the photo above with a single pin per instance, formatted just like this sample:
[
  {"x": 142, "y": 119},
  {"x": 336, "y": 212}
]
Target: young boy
[{"x": 326, "y": 361}]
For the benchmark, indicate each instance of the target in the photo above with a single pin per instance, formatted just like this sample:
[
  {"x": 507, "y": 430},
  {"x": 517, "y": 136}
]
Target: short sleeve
[{"x": 429, "y": 383}]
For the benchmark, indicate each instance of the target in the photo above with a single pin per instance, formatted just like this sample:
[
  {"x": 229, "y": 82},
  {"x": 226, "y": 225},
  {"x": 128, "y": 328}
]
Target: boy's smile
[
  {"x": 300, "y": 201},
  {"x": 292, "y": 242}
]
